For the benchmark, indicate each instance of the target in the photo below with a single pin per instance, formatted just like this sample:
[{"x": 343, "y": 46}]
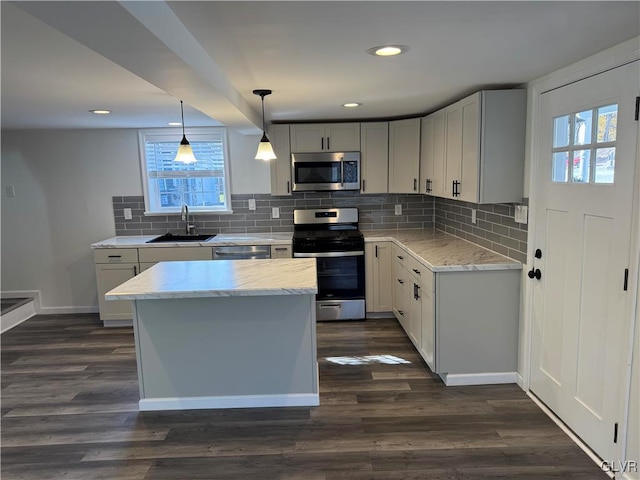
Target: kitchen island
[{"x": 225, "y": 334}]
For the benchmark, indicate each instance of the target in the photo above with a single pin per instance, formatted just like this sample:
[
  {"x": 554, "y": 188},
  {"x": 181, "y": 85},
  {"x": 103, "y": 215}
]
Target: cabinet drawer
[
  {"x": 175, "y": 254},
  {"x": 420, "y": 272},
  {"x": 399, "y": 255},
  {"x": 281, "y": 251},
  {"x": 116, "y": 255}
]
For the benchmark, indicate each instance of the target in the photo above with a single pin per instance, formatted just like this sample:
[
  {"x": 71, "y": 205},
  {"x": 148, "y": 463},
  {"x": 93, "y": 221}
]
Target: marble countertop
[
  {"x": 442, "y": 252},
  {"x": 136, "y": 241},
  {"x": 222, "y": 278}
]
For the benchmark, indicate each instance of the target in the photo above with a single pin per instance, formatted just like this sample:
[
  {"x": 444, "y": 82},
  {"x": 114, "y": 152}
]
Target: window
[
  {"x": 203, "y": 186},
  {"x": 584, "y": 150}
]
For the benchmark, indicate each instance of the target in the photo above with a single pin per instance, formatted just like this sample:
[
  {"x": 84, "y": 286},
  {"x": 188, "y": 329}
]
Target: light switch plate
[
  {"x": 398, "y": 209},
  {"x": 521, "y": 214},
  {"x": 252, "y": 204},
  {"x": 127, "y": 214},
  {"x": 11, "y": 191},
  {"x": 275, "y": 212}
]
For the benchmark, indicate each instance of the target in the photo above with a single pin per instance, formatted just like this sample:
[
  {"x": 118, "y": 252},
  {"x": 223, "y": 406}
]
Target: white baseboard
[
  {"x": 67, "y": 310},
  {"x": 17, "y": 316},
  {"x": 457, "y": 379},
  {"x": 231, "y": 401}
]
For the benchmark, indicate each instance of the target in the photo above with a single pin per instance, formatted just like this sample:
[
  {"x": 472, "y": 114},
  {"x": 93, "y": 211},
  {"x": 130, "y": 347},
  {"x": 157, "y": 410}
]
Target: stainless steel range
[{"x": 331, "y": 236}]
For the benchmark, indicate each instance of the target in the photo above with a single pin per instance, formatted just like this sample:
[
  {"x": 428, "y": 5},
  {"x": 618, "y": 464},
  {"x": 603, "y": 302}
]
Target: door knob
[{"x": 537, "y": 274}]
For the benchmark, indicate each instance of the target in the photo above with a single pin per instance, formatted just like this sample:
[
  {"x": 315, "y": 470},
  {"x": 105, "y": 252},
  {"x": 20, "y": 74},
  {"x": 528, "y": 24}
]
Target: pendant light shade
[
  {"x": 265, "y": 149},
  {"x": 185, "y": 152}
]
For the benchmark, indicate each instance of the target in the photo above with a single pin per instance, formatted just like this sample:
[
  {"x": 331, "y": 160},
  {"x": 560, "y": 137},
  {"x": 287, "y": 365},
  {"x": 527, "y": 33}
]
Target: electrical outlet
[
  {"x": 275, "y": 212},
  {"x": 521, "y": 214},
  {"x": 11, "y": 190},
  {"x": 252, "y": 204},
  {"x": 473, "y": 215},
  {"x": 398, "y": 209},
  {"x": 127, "y": 214}
]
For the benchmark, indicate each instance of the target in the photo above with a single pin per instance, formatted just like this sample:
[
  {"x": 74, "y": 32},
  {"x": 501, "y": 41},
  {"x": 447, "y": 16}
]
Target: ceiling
[{"x": 61, "y": 59}]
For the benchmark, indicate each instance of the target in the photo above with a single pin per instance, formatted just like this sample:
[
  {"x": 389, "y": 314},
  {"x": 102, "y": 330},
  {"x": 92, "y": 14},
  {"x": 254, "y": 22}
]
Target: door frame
[{"x": 616, "y": 56}]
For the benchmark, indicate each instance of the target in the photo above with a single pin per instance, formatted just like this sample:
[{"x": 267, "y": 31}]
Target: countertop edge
[
  {"x": 508, "y": 264},
  {"x": 210, "y": 294},
  {"x": 141, "y": 242}
]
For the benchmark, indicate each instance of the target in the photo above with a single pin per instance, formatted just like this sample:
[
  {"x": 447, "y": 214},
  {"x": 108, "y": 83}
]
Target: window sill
[{"x": 191, "y": 212}]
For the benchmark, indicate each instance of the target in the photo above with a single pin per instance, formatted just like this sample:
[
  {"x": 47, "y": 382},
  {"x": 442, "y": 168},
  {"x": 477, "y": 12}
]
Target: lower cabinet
[
  {"x": 464, "y": 324},
  {"x": 114, "y": 267},
  {"x": 377, "y": 280}
]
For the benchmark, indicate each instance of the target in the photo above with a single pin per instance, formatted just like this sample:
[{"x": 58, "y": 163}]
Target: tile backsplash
[
  {"x": 494, "y": 229},
  {"x": 376, "y": 212}
]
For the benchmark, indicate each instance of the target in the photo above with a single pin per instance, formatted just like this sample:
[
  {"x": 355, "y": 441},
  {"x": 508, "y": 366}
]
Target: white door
[{"x": 584, "y": 193}]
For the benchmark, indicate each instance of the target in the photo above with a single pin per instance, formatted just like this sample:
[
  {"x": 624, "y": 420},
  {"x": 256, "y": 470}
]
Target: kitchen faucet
[{"x": 184, "y": 213}]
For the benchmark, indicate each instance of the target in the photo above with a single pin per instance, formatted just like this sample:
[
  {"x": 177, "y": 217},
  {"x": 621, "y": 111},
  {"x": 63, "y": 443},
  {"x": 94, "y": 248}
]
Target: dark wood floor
[{"x": 69, "y": 411}]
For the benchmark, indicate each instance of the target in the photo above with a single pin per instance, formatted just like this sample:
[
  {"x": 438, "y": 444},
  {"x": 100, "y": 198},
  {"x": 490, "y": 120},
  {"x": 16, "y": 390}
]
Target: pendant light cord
[
  {"x": 182, "y": 113},
  {"x": 263, "y": 123}
]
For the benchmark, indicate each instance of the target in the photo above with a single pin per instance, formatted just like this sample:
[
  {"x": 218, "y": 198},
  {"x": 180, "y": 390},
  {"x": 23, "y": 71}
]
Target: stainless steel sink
[{"x": 170, "y": 237}]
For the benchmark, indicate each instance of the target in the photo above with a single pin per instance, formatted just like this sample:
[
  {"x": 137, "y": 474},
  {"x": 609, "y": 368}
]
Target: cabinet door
[
  {"x": 374, "y": 162},
  {"x": 453, "y": 148},
  {"x": 404, "y": 155},
  {"x": 428, "y": 329},
  {"x": 108, "y": 277},
  {"x": 307, "y": 138},
  {"x": 281, "y": 166},
  {"x": 378, "y": 279},
  {"x": 415, "y": 315},
  {"x": 470, "y": 159},
  {"x": 281, "y": 251},
  {"x": 438, "y": 185},
  {"x": 426, "y": 155},
  {"x": 342, "y": 137}
]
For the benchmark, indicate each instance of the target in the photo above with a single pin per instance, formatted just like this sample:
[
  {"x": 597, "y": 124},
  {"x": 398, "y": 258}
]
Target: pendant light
[
  {"x": 185, "y": 152},
  {"x": 265, "y": 150}
]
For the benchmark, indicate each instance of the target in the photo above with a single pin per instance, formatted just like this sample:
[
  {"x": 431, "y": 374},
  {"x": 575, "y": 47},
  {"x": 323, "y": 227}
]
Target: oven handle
[{"x": 328, "y": 254}]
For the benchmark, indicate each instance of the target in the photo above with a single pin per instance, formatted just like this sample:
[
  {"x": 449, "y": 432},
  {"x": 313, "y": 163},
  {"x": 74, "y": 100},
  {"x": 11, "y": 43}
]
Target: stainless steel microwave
[{"x": 325, "y": 171}]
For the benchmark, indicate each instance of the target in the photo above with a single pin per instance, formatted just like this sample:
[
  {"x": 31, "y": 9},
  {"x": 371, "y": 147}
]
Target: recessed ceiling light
[
  {"x": 388, "y": 50},
  {"x": 174, "y": 124},
  {"x": 351, "y": 104},
  {"x": 100, "y": 112}
]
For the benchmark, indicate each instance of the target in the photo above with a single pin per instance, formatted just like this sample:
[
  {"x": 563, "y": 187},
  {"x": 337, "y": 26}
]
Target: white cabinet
[
  {"x": 325, "y": 137},
  {"x": 374, "y": 160},
  {"x": 432, "y": 154},
  {"x": 401, "y": 286},
  {"x": 377, "y": 276},
  {"x": 114, "y": 267},
  {"x": 404, "y": 155},
  {"x": 485, "y": 136},
  {"x": 281, "y": 166},
  {"x": 281, "y": 251}
]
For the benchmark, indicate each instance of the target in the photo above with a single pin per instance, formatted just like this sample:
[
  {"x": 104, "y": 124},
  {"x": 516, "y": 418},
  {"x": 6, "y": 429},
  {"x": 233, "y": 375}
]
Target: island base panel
[{"x": 226, "y": 352}]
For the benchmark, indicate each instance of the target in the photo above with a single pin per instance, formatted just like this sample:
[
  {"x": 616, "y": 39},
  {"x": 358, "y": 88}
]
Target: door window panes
[
  {"x": 583, "y": 146},
  {"x": 605, "y": 164},
  {"x": 581, "y": 163},
  {"x": 607, "y": 123},
  {"x": 583, "y": 127},
  {"x": 561, "y": 131},
  {"x": 560, "y": 167}
]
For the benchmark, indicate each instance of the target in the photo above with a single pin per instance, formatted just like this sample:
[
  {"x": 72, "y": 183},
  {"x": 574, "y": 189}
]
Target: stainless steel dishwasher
[{"x": 241, "y": 252}]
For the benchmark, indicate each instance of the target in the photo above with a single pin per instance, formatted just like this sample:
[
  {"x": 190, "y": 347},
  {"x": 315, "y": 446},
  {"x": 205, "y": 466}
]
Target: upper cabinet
[
  {"x": 485, "y": 135},
  {"x": 432, "y": 154},
  {"x": 325, "y": 137},
  {"x": 374, "y": 161},
  {"x": 281, "y": 166},
  {"x": 404, "y": 155}
]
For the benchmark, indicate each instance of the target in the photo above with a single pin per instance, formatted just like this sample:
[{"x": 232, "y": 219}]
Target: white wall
[{"x": 64, "y": 181}]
